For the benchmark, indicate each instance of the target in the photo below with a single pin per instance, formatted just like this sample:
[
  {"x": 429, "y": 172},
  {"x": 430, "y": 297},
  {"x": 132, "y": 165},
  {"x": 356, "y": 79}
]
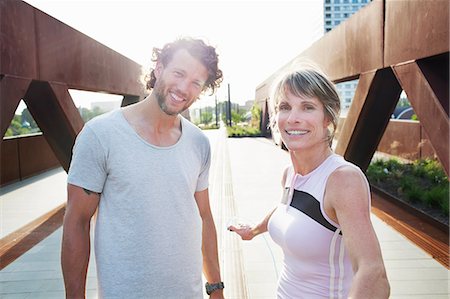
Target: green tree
[
  {"x": 237, "y": 117},
  {"x": 206, "y": 117},
  {"x": 403, "y": 102},
  {"x": 256, "y": 115},
  {"x": 26, "y": 117},
  {"x": 16, "y": 128},
  {"x": 87, "y": 114}
]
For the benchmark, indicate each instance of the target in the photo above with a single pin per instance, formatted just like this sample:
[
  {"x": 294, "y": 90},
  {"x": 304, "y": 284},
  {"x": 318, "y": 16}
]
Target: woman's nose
[{"x": 294, "y": 116}]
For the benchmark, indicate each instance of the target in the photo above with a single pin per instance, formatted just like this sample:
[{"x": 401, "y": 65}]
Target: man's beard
[{"x": 161, "y": 96}]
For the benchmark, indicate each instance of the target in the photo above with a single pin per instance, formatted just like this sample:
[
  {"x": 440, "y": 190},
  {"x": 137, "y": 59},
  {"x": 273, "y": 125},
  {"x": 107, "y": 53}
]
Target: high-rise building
[{"x": 335, "y": 12}]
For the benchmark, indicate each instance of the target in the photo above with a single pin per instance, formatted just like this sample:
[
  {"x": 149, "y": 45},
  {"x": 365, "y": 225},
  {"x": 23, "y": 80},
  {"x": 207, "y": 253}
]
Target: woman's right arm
[{"x": 248, "y": 232}]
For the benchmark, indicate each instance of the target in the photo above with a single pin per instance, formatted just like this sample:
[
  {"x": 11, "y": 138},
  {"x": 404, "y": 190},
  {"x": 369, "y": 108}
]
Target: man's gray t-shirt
[{"x": 148, "y": 230}]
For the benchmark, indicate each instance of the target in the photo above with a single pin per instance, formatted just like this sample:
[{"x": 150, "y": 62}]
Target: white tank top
[{"x": 316, "y": 263}]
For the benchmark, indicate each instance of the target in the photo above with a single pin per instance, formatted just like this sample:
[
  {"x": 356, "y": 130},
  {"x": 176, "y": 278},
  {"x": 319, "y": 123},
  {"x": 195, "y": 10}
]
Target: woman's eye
[{"x": 283, "y": 107}]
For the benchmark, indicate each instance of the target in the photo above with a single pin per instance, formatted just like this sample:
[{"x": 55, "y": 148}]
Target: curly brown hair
[{"x": 197, "y": 48}]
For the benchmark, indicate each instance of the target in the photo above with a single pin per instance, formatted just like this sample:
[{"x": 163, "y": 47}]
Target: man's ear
[{"x": 158, "y": 69}]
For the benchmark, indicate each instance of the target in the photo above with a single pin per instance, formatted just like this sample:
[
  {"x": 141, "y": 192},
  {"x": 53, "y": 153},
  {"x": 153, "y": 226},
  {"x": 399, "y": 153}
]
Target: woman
[{"x": 323, "y": 222}]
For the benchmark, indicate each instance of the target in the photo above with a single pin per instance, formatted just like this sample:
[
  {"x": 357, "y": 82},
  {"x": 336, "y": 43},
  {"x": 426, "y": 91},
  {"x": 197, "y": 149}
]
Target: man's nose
[{"x": 183, "y": 86}]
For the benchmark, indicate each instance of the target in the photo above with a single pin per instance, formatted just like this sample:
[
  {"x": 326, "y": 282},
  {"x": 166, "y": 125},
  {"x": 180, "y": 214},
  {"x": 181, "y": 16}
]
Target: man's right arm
[{"x": 81, "y": 206}]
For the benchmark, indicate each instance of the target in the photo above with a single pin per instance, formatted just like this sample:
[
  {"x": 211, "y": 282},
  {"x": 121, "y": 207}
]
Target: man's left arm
[{"x": 211, "y": 267}]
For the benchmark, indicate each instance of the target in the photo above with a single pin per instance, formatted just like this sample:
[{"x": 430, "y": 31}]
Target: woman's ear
[{"x": 326, "y": 122}]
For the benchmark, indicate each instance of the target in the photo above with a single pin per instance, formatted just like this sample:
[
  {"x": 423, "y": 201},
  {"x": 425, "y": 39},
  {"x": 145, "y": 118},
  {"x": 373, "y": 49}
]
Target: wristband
[{"x": 211, "y": 287}]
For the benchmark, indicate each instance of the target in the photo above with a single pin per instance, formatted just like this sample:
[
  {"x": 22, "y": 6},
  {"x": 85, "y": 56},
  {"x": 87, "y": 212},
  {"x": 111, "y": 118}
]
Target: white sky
[{"x": 253, "y": 38}]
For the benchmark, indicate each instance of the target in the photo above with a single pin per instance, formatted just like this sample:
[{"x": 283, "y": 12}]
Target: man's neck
[
  {"x": 152, "y": 124},
  {"x": 156, "y": 118}
]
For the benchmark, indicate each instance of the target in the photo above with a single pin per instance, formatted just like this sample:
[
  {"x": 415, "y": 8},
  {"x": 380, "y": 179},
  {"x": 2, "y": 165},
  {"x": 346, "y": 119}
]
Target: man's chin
[
  {"x": 170, "y": 112},
  {"x": 173, "y": 113}
]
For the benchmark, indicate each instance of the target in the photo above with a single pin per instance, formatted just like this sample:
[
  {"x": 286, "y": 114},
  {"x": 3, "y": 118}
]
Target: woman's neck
[{"x": 306, "y": 161}]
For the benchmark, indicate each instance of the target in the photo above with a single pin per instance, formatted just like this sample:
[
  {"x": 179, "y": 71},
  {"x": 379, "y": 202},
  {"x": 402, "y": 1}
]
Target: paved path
[
  {"x": 257, "y": 187},
  {"x": 243, "y": 188},
  {"x": 27, "y": 200}
]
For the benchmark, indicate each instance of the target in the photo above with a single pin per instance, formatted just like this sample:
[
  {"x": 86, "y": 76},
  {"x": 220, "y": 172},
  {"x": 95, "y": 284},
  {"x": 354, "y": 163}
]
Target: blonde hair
[{"x": 309, "y": 81}]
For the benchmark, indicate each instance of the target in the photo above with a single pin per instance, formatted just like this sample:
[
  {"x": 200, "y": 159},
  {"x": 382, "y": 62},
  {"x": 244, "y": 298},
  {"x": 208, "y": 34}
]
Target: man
[{"x": 144, "y": 169}]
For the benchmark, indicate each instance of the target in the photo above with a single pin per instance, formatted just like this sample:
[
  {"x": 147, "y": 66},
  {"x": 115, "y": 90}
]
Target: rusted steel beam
[
  {"x": 20, "y": 241},
  {"x": 128, "y": 100},
  {"x": 54, "y": 112},
  {"x": 17, "y": 40},
  {"x": 41, "y": 58},
  {"x": 9, "y": 161},
  {"x": 67, "y": 55},
  {"x": 377, "y": 38},
  {"x": 12, "y": 90},
  {"x": 436, "y": 70},
  {"x": 349, "y": 125},
  {"x": 428, "y": 36},
  {"x": 352, "y": 48},
  {"x": 265, "y": 119},
  {"x": 36, "y": 46},
  {"x": 368, "y": 41},
  {"x": 69, "y": 111},
  {"x": 25, "y": 156},
  {"x": 31, "y": 147},
  {"x": 339, "y": 52},
  {"x": 428, "y": 108},
  {"x": 373, "y": 118}
]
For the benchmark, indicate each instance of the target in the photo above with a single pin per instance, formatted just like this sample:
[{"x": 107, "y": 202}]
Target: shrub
[
  {"x": 377, "y": 172},
  {"x": 209, "y": 127},
  {"x": 437, "y": 197},
  {"x": 245, "y": 131},
  {"x": 423, "y": 181}
]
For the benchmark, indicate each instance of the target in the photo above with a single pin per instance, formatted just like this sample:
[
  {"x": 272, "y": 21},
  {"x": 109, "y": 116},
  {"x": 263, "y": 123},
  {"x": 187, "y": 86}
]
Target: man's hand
[{"x": 218, "y": 294}]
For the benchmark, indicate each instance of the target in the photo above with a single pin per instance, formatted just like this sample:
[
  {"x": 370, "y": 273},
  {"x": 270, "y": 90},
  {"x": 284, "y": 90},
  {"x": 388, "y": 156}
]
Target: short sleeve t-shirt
[{"x": 148, "y": 229}]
